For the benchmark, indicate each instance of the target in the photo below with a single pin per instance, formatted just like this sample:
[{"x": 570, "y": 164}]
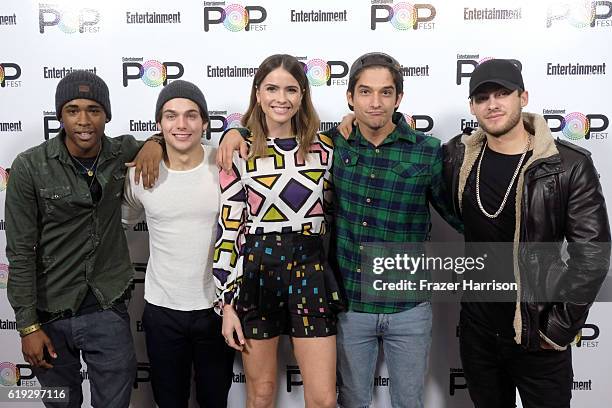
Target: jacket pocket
[
  {"x": 57, "y": 201},
  {"x": 117, "y": 183}
]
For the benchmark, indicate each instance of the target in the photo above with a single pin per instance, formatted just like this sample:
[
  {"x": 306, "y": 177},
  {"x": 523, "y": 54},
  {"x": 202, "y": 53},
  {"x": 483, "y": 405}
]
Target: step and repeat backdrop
[{"x": 139, "y": 46}]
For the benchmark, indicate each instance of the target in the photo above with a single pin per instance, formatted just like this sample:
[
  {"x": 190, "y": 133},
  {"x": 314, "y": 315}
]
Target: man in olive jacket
[{"x": 69, "y": 266}]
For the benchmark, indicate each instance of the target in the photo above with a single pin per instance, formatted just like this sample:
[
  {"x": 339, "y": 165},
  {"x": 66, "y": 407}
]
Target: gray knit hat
[
  {"x": 81, "y": 84},
  {"x": 181, "y": 89}
]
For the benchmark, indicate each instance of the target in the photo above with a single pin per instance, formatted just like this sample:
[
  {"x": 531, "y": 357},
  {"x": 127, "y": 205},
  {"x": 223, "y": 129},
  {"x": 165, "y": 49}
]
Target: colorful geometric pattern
[
  {"x": 286, "y": 288},
  {"x": 276, "y": 193}
]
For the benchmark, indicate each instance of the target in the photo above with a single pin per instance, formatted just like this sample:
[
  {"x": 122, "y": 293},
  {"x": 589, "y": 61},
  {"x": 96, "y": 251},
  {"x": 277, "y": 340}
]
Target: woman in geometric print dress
[{"x": 269, "y": 261}]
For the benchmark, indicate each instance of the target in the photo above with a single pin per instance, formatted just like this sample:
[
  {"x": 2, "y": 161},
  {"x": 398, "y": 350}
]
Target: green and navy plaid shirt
[{"x": 383, "y": 195}]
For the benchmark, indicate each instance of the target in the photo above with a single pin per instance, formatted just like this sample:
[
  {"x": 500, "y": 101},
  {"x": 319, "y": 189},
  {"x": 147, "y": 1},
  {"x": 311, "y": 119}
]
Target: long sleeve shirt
[
  {"x": 182, "y": 212},
  {"x": 60, "y": 243},
  {"x": 383, "y": 195},
  {"x": 278, "y": 193}
]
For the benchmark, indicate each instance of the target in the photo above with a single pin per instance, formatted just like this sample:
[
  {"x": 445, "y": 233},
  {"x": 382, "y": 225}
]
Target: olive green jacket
[{"x": 59, "y": 242}]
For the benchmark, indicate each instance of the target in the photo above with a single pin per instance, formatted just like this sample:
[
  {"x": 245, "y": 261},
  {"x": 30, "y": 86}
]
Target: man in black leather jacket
[{"x": 511, "y": 181}]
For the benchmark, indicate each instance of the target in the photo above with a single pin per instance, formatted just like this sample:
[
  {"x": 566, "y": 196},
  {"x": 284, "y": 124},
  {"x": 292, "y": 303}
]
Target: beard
[{"x": 513, "y": 120}]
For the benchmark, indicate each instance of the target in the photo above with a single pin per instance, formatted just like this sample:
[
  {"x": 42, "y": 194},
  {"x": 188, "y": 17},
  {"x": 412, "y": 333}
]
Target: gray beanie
[
  {"x": 81, "y": 84},
  {"x": 181, "y": 89}
]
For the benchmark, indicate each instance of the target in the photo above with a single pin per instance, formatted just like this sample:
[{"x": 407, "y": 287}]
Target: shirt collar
[
  {"x": 402, "y": 131},
  {"x": 56, "y": 148}
]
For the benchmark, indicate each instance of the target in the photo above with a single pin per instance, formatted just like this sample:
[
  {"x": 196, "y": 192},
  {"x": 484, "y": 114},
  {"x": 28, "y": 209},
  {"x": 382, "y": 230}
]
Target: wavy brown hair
[{"x": 304, "y": 124}]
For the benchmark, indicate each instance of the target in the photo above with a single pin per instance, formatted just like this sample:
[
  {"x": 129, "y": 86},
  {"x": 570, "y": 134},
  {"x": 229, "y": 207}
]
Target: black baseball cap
[{"x": 498, "y": 71}]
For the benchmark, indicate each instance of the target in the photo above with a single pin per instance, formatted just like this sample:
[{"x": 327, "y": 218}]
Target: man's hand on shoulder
[
  {"x": 232, "y": 141},
  {"x": 147, "y": 162}
]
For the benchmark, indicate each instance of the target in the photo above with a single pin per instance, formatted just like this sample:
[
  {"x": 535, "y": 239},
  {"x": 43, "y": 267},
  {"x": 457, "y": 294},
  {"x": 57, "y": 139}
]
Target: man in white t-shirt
[{"x": 181, "y": 327}]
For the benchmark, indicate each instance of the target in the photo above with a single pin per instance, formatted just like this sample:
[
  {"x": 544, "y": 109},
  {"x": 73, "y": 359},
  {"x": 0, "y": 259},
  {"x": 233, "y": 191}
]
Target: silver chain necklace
[{"x": 516, "y": 172}]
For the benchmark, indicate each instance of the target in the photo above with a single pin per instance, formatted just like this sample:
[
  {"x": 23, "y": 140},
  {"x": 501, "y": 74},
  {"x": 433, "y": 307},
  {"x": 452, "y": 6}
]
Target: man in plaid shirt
[{"x": 385, "y": 176}]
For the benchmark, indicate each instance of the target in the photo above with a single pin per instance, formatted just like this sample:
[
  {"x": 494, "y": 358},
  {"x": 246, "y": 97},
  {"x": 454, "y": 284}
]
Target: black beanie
[
  {"x": 181, "y": 89},
  {"x": 81, "y": 84}
]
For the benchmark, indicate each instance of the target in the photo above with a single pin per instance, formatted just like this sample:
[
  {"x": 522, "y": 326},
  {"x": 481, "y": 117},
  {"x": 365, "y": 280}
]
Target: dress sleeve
[{"x": 227, "y": 268}]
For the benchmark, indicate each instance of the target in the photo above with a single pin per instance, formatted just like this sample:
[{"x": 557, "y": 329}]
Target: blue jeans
[
  {"x": 406, "y": 338},
  {"x": 105, "y": 341}
]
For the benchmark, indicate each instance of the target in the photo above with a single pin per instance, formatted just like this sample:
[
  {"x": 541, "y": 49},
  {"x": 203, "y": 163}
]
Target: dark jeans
[
  {"x": 179, "y": 340},
  {"x": 104, "y": 340},
  {"x": 495, "y": 366}
]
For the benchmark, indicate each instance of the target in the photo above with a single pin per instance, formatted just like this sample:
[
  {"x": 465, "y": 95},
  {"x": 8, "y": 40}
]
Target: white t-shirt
[{"x": 181, "y": 211}]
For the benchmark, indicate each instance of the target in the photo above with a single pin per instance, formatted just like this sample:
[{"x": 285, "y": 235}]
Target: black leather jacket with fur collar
[{"x": 558, "y": 199}]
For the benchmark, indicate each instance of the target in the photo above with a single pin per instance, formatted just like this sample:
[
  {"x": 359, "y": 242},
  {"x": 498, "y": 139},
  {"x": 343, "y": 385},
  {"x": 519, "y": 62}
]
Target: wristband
[
  {"x": 30, "y": 329},
  {"x": 159, "y": 139}
]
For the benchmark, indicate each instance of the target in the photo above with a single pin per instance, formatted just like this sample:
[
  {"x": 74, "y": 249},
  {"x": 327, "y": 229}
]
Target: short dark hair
[{"x": 376, "y": 60}]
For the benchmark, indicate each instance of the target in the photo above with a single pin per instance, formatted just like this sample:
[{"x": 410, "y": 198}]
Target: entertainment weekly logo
[
  {"x": 466, "y": 63},
  {"x": 402, "y": 15},
  {"x": 491, "y": 14},
  {"x": 577, "y": 126},
  {"x": 152, "y": 17},
  {"x": 318, "y": 16},
  {"x": 234, "y": 17},
  {"x": 580, "y": 14},
  {"x": 8, "y": 19},
  {"x": 575, "y": 69},
  {"x": 68, "y": 20}
]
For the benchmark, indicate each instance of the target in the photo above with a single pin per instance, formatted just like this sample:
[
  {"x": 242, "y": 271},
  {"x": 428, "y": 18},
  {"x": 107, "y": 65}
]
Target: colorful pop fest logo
[
  {"x": 152, "y": 72},
  {"x": 7, "y": 75},
  {"x": 580, "y": 13},
  {"x": 320, "y": 72},
  {"x": 232, "y": 120},
  {"x": 69, "y": 21},
  {"x": 236, "y": 17},
  {"x": 4, "y": 272},
  {"x": 577, "y": 126},
  {"x": 317, "y": 71},
  {"x": 220, "y": 123},
  {"x": 3, "y": 179},
  {"x": 9, "y": 374},
  {"x": 403, "y": 16}
]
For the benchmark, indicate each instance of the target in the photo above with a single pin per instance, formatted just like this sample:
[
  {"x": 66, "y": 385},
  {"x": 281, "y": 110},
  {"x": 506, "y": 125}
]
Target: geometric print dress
[{"x": 272, "y": 197}]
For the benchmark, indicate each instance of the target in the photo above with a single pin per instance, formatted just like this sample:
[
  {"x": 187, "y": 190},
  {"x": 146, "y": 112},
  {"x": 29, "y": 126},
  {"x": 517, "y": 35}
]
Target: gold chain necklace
[
  {"x": 90, "y": 171},
  {"x": 516, "y": 172}
]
